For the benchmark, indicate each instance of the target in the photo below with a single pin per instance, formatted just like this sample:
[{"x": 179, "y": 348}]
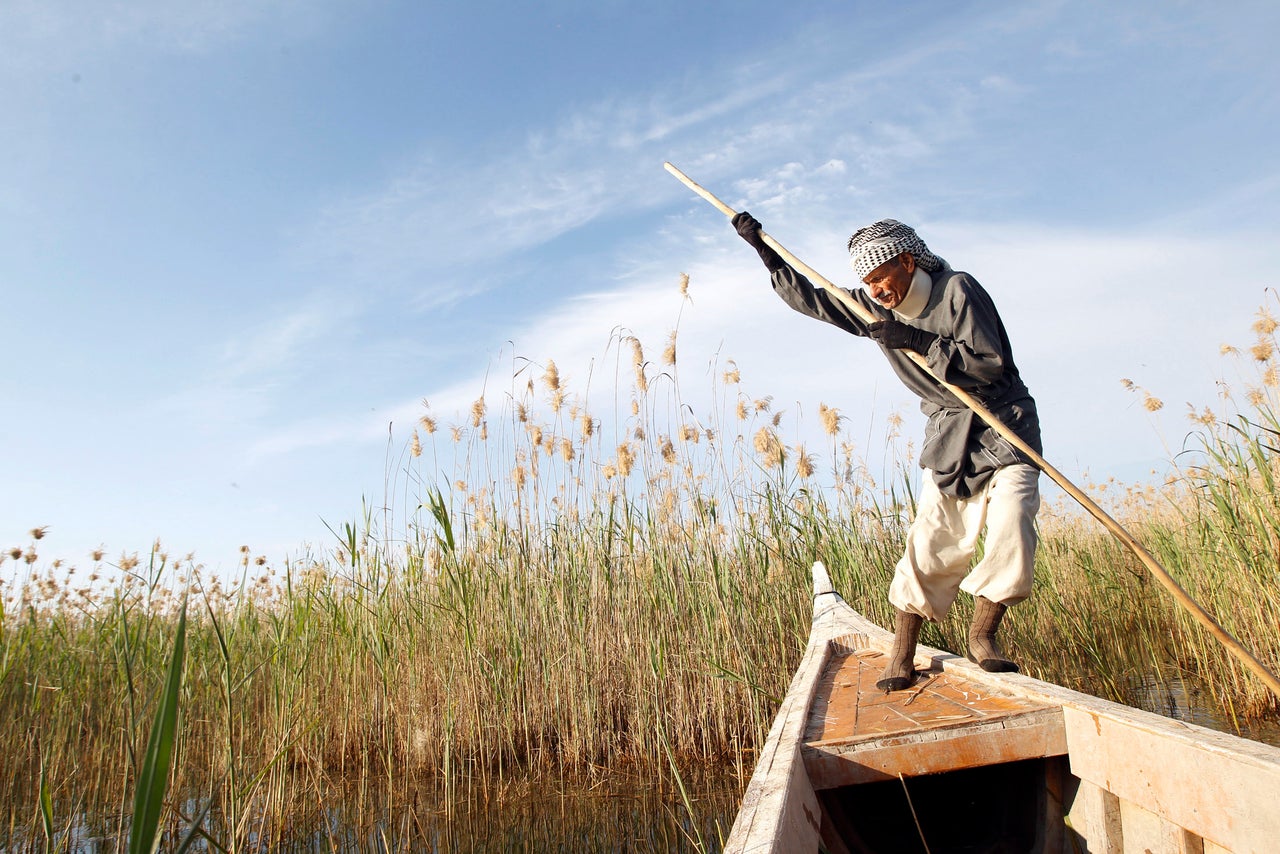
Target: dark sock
[
  {"x": 900, "y": 672},
  {"x": 984, "y": 649}
]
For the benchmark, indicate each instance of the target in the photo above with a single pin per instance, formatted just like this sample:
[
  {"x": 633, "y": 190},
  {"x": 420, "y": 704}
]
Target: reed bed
[{"x": 546, "y": 594}]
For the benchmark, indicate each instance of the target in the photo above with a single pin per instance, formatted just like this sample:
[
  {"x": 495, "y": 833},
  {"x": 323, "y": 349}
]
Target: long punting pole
[{"x": 1233, "y": 646}]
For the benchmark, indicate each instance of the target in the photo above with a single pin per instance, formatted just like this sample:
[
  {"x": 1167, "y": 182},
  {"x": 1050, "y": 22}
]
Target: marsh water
[
  {"x": 622, "y": 812},
  {"x": 1183, "y": 700},
  {"x": 632, "y": 813}
]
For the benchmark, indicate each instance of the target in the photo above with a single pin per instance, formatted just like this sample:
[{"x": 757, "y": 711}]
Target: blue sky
[{"x": 241, "y": 241}]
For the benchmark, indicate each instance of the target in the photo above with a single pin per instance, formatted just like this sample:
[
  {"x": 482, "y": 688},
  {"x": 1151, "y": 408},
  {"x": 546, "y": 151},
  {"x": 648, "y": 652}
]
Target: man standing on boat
[{"x": 974, "y": 478}]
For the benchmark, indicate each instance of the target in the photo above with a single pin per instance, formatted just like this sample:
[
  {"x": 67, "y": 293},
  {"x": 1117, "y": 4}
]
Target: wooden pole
[{"x": 1161, "y": 575}]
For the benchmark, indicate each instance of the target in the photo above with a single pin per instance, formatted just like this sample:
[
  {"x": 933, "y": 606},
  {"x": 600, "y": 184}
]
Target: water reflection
[
  {"x": 1185, "y": 700},
  {"x": 616, "y": 814}
]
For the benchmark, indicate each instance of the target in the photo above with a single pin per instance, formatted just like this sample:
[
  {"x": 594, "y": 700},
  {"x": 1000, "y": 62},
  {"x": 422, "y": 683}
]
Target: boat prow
[{"x": 972, "y": 761}]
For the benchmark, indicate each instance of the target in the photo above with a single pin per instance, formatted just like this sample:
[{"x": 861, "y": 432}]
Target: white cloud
[{"x": 1079, "y": 307}]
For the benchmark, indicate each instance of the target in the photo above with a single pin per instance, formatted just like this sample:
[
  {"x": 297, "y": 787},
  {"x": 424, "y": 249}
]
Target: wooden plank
[
  {"x": 780, "y": 811},
  {"x": 1093, "y": 820},
  {"x": 859, "y": 734},
  {"x": 1145, "y": 831},
  {"x": 848, "y": 706},
  {"x": 1212, "y": 785},
  {"x": 1031, "y": 735}
]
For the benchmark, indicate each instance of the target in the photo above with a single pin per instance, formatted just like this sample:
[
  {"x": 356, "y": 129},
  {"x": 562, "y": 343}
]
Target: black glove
[
  {"x": 901, "y": 336},
  {"x": 748, "y": 228}
]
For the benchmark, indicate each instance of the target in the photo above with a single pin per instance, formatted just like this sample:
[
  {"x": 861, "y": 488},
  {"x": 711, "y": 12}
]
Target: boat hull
[{"x": 971, "y": 761}]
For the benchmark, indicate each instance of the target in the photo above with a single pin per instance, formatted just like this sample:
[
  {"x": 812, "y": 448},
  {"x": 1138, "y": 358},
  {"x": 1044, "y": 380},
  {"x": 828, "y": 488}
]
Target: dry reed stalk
[{"x": 558, "y": 633}]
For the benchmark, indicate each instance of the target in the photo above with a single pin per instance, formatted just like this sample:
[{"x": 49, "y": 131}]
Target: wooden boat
[{"x": 969, "y": 761}]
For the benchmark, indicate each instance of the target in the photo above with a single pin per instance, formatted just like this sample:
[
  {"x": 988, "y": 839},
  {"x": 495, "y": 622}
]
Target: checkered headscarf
[{"x": 887, "y": 239}]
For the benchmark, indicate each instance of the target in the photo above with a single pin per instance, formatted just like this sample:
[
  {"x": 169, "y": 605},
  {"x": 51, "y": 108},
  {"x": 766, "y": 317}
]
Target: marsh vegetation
[{"x": 579, "y": 599}]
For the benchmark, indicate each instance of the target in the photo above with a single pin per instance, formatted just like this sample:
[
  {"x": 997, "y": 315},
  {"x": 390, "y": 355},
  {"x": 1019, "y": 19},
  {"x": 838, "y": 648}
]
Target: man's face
[{"x": 890, "y": 282}]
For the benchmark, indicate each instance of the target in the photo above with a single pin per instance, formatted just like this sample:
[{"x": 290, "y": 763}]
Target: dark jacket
[{"x": 971, "y": 352}]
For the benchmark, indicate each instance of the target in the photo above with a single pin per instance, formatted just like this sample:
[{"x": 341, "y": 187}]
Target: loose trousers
[{"x": 944, "y": 535}]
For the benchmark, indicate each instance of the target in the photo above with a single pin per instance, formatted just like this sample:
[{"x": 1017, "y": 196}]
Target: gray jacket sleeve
[{"x": 799, "y": 293}]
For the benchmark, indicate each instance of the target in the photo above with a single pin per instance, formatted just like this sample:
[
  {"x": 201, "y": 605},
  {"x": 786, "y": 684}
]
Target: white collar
[{"x": 917, "y": 295}]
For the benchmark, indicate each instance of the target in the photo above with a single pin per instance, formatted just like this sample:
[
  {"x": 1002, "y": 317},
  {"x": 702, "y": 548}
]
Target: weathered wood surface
[
  {"x": 1173, "y": 777},
  {"x": 780, "y": 810},
  {"x": 1142, "y": 782},
  {"x": 859, "y": 734}
]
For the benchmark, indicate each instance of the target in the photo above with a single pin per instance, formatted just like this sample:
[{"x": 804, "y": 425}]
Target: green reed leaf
[
  {"x": 46, "y": 806},
  {"x": 153, "y": 780}
]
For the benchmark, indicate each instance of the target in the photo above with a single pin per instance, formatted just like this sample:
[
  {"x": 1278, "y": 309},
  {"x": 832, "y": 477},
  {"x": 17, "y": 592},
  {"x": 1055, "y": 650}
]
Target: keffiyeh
[{"x": 887, "y": 239}]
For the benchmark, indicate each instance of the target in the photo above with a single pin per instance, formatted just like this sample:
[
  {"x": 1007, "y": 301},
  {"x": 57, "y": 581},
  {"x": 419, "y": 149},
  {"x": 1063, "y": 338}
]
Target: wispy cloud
[
  {"x": 1247, "y": 206},
  {"x": 273, "y": 346},
  {"x": 256, "y": 362},
  {"x": 471, "y": 209},
  {"x": 64, "y": 34}
]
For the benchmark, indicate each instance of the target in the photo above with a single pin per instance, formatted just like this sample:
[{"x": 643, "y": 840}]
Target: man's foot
[
  {"x": 984, "y": 650},
  {"x": 900, "y": 673}
]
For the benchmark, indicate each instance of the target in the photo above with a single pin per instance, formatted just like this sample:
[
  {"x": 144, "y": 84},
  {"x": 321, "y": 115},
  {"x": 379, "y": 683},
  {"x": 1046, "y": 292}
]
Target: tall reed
[{"x": 548, "y": 592}]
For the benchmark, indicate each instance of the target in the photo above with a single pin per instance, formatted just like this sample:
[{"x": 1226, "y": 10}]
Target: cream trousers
[{"x": 944, "y": 534}]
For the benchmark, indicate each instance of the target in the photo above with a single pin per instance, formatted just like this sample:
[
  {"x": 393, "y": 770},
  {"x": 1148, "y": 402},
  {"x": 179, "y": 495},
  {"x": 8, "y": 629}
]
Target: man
[{"x": 974, "y": 477}]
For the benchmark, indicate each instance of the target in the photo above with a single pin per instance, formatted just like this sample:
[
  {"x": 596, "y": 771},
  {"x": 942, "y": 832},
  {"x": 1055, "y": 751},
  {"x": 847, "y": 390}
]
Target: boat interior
[{"x": 913, "y": 771}]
